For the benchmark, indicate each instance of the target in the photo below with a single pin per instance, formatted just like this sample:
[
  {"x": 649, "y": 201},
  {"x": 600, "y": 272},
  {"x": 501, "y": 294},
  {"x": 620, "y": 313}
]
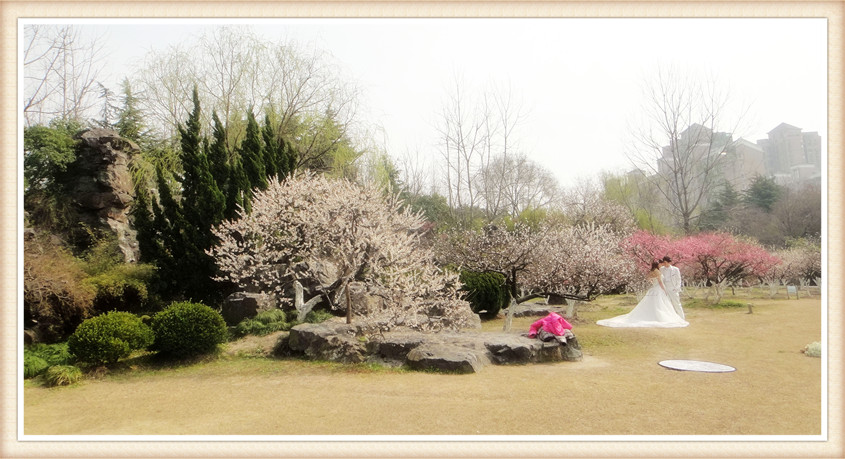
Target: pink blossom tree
[
  {"x": 337, "y": 236},
  {"x": 720, "y": 259}
]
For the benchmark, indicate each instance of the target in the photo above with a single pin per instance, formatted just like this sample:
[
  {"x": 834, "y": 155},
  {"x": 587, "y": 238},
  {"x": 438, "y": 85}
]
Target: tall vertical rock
[{"x": 101, "y": 186}]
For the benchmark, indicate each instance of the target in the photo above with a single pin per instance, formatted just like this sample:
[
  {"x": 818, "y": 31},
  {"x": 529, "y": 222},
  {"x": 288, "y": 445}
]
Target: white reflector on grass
[{"x": 696, "y": 365}]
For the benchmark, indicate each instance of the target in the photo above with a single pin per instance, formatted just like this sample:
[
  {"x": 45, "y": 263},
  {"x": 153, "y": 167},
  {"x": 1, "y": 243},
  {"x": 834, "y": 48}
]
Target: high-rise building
[{"x": 792, "y": 156}]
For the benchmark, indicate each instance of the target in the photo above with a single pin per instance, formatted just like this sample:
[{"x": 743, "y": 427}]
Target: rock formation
[
  {"x": 101, "y": 186},
  {"x": 458, "y": 352}
]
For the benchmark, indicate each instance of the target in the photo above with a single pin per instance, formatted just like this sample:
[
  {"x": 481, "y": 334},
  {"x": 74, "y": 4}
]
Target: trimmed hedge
[
  {"x": 109, "y": 337},
  {"x": 485, "y": 292},
  {"x": 186, "y": 329}
]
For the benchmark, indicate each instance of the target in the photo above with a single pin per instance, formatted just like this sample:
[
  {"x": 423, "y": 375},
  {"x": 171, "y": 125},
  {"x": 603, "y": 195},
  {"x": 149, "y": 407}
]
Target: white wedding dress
[{"x": 655, "y": 310}]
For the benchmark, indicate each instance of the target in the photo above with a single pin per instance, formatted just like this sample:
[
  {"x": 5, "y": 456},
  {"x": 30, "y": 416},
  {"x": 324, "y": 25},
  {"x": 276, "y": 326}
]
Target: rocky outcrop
[
  {"x": 243, "y": 305},
  {"x": 101, "y": 186},
  {"x": 459, "y": 352}
]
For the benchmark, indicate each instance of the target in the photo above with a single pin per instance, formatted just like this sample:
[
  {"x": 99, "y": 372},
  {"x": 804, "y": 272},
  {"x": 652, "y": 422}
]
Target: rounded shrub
[
  {"x": 109, "y": 337},
  {"x": 186, "y": 329},
  {"x": 62, "y": 375},
  {"x": 33, "y": 366},
  {"x": 486, "y": 293}
]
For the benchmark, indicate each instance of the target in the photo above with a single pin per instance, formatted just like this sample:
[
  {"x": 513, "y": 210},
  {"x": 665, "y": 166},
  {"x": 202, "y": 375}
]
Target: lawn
[{"x": 618, "y": 388}]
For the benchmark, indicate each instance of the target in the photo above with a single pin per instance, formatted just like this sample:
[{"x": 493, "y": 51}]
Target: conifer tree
[
  {"x": 218, "y": 157},
  {"x": 130, "y": 122},
  {"x": 253, "y": 156},
  {"x": 279, "y": 159},
  {"x": 238, "y": 191}
]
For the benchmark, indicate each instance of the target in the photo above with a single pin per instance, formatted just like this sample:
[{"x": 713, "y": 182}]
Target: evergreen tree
[
  {"x": 720, "y": 212},
  {"x": 179, "y": 232},
  {"x": 239, "y": 190},
  {"x": 763, "y": 193},
  {"x": 218, "y": 157},
  {"x": 253, "y": 157},
  {"x": 130, "y": 120},
  {"x": 279, "y": 158},
  {"x": 204, "y": 202}
]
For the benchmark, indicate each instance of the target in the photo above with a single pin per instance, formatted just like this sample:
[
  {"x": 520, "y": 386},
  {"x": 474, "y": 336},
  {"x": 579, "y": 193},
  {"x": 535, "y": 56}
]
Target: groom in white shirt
[{"x": 672, "y": 280}]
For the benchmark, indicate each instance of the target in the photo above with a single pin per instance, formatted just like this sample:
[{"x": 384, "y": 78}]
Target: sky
[{"x": 579, "y": 81}]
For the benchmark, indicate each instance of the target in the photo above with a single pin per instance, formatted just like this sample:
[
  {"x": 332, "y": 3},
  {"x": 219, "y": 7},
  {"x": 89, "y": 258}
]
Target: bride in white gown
[{"x": 654, "y": 310}]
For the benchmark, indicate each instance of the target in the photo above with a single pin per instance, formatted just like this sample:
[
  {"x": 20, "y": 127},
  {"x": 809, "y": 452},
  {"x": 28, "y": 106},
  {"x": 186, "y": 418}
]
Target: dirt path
[{"x": 617, "y": 389}]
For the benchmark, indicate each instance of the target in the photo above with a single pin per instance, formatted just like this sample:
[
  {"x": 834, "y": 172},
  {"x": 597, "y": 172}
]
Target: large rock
[
  {"x": 507, "y": 348},
  {"x": 446, "y": 357},
  {"x": 328, "y": 341},
  {"x": 101, "y": 186},
  {"x": 243, "y": 305}
]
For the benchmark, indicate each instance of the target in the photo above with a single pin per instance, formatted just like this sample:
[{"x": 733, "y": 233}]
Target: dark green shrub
[
  {"x": 317, "y": 316},
  {"x": 62, "y": 375},
  {"x": 487, "y": 293},
  {"x": 251, "y": 327},
  {"x": 109, "y": 337},
  {"x": 270, "y": 316},
  {"x": 33, "y": 365},
  {"x": 53, "y": 354},
  {"x": 263, "y": 323},
  {"x": 186, "y": 329},
  {"x": 122, "y": 287}
]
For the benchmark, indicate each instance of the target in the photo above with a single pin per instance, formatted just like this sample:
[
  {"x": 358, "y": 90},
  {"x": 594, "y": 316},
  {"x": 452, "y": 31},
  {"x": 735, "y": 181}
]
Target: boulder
[
  {"x": 537, "y": 309},
  {"x": 446, "y": 357},
  {"x": 507, "y": 348},
  {"x": 328, "y": 341},
  {"x": 243, "y": 305},
  {"x": 395, "y": 345}
]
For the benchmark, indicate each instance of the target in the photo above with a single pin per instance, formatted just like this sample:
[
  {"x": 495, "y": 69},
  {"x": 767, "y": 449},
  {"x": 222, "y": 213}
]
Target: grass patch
[
  {"x": 702, "y": 303},
  {"x": 618, "y": 389},
  {"x": 62, "y": 375}
]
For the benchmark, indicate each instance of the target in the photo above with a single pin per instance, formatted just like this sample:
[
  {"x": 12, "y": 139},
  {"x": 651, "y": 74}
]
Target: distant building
[
  {"x": 742, "y": 161},
  {"x": 792, "y": 157}
]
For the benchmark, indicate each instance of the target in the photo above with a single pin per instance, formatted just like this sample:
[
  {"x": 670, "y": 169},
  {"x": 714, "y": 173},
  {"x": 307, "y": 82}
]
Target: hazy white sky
[{"x": 578, "y": 79}]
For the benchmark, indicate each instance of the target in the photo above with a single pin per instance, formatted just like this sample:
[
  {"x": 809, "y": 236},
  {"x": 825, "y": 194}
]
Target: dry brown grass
[{"x": 618, "y": 389}]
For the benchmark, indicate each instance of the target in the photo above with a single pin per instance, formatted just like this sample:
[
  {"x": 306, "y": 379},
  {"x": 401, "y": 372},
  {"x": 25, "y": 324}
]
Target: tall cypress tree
[
  {"x": 253, "y": 156},
  {"x": 238, "y": 191},
  {"x": 218, "y": 156},
  {"x": 279, "y": 158},
  {"x": 180, "y": 230}
]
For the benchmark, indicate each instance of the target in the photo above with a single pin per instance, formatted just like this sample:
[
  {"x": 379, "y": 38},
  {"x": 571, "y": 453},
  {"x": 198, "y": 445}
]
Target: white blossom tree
[
  {"x": 342, "y": 239},
  {"x": 574, "y": 262}
]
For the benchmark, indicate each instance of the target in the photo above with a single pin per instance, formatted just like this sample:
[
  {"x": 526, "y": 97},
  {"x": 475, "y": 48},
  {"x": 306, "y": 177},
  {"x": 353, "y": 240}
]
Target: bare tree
[
  {"x": 235, "y": 71},
  {"x": 478, "y": 149},
  {"x": 60, "y": 73},
  {"x": 462, "y": 136},
  {"x": 682, "y": 142}
]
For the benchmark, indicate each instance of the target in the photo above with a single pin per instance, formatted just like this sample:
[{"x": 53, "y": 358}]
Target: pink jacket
[{"x": 552, "y": 323}]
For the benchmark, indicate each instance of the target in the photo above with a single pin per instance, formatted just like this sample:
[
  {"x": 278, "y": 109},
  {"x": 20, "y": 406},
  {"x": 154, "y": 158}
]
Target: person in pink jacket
[{"x": 552, "y": 323}]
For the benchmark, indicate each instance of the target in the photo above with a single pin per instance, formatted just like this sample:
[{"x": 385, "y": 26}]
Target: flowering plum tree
[
  {"x": 580, "y": 261},
  {"x": 574, "y": 262},
  {"x": 334, "y": 235},
  {"x": 493, "y": 249},
  {"x": 720, "y": 259}
]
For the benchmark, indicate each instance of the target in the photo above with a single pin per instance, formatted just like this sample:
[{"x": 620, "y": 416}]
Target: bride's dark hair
[{"x": 654, "y": 264}]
